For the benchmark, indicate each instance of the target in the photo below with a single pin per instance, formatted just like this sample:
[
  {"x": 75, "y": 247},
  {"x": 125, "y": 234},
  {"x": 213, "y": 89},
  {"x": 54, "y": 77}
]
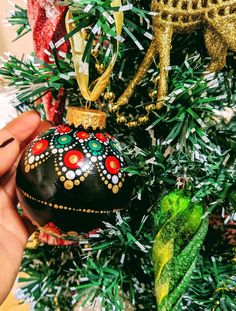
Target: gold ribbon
[{"x": 78, "y": 45}]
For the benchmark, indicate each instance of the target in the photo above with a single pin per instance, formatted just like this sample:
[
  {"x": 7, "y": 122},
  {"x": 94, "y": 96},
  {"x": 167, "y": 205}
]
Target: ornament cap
[{"x": 96, "y": 119}]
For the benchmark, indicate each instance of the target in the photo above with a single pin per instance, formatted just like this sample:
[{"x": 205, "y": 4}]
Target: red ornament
[
  {"x": 47, "y": 21},
  {"x": 54, "y": 107},
  {"x": 50, "y": 236}
]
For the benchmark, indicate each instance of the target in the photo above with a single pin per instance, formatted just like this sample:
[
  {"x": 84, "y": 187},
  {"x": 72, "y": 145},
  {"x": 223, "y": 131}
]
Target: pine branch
[
  {"x": 112, "y": 266},
  {"x": 187, "y": 145},
  {"x": 213, "y": 285},
  {"x": 98, "y": 19},
  {"x": 33, "y": 78},
  {"x": 19, "y": 18},
  {"x": 187, "y": 150}
]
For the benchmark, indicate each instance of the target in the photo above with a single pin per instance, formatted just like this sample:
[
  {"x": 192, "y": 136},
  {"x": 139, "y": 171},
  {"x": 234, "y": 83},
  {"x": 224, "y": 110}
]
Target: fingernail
[{"x": 7, "y": 142}]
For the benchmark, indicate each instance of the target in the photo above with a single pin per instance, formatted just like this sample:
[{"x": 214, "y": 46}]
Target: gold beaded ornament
[{"x": 182, "y": 16}]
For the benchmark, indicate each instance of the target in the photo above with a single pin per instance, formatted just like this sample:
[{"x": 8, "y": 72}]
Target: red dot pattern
[
  {"x": 101, "y": 137},
  {"x": 74, "y": 159},
  {"x": 39, "y": 147},
  {"x": 82, "y": 135},
  {"x": 63, "y": 129},
  {"x": 112, "y": 165},
  {"x": 109, "y": 136}
]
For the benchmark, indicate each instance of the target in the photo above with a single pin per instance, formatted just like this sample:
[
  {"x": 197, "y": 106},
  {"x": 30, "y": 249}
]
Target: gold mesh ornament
[{"x": 183, "y": 16}]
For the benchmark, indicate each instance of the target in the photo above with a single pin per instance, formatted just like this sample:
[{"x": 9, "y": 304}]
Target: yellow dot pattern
[
  {"x": 58, "y": 206},
  {"x": 115, "y": 188},
  {"x": 29, "y": 167},
  {"x": 69, "y": 184}
]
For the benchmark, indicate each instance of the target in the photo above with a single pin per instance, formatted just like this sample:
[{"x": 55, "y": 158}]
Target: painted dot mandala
[
  {"x": 76, "y": 155},
  {"x": 73, "y": 178}
]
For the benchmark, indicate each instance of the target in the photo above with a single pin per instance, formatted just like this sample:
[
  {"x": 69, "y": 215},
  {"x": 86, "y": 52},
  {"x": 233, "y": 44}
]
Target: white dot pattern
[{"x": 76, "y": 154}]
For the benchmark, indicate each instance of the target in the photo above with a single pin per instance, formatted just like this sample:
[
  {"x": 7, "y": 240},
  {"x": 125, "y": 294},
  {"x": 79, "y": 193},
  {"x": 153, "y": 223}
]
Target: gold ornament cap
[{"x": 96, "y": 119}]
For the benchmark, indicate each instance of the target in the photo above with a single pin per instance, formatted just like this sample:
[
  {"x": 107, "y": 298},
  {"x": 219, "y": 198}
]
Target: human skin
[{"x": 14, "y": 229}]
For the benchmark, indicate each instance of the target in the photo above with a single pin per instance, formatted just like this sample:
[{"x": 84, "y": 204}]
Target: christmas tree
[{"x": 163, "y": 71}]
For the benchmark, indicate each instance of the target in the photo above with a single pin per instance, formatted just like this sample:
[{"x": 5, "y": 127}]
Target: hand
[{"x": 14, "y": 230}]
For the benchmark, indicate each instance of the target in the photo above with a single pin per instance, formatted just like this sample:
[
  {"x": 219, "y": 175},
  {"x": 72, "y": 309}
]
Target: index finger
[
  {"x": 13, "y": 135},
  {"x": 43, "y": 127}
]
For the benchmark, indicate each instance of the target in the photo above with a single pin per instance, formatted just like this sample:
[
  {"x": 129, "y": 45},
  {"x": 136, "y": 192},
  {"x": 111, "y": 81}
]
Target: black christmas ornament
[{"x": 70, "y": 178}]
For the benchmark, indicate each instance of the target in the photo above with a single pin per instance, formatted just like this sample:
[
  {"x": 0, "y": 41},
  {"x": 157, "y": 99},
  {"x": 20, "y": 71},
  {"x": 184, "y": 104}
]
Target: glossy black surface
[{"x": 41, "y": 186}]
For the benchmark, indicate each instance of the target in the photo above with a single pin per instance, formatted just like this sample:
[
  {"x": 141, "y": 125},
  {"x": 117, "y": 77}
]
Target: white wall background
[
  {"x": 18, "y": 48},
  {"x": 7, "y": 34}
]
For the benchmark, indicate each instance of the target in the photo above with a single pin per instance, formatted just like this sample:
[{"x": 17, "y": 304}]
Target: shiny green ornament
[{"x": 181, "y": 232}]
